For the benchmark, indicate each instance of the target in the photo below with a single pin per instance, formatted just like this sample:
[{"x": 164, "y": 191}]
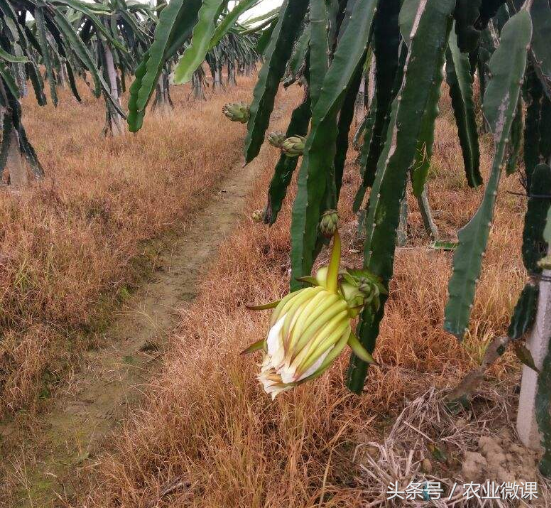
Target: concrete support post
[
  {"x": 538, "y": 344},
  {"x": 114, "y": 121},
  {"x": 16, "y": 165}
]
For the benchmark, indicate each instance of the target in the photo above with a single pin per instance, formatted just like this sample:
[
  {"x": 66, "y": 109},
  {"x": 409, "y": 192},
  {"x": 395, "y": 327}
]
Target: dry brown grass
[
  {"x": 74, "y": 245},
  {"x": 208, "y": 436}
]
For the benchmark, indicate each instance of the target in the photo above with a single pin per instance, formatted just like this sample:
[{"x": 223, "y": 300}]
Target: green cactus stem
[
  {"x": 423, "y": 64},
  {"x": 500, "y": 102},
  {"x": 543, "y": 413}
]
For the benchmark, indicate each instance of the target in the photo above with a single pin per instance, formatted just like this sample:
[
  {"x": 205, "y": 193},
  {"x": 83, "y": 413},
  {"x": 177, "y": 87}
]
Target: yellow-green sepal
[
  {"x": 255, "y": 346},
  {"x": 329, "y": 359},
  {"x": 264, "y": 306},
  {"x": 308, "y": 279},
  {"x": 359, "y": 350}
]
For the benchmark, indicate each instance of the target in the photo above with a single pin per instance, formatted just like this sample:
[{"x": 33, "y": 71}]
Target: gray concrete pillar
[{"x": 538, "y": 344}]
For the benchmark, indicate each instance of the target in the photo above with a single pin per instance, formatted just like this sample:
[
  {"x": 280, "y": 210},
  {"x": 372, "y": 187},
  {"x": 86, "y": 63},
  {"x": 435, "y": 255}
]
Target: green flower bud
[
  {"x": 237, "y": 112},
  {"x": 329, "y": 223},
  {"x": 361, "y": 288},
  {"x": 293, "y": 146},
  {"x": 258, "y": 216},
  {"x": 545, "y": 263},
  {"x": 353, "y": 296},
  {"x": 276, "y": 138}
]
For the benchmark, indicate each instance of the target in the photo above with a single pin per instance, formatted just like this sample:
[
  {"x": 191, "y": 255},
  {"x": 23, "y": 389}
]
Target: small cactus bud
[
  {"x": 237, "y": 112},
  {"x": 258, "y": 216},
  {"x": 293, "y": 146},
  {"x": 329, "y": 223},
  {"x": 276, "y": 138},
  {"x": 361, "y": 288}
]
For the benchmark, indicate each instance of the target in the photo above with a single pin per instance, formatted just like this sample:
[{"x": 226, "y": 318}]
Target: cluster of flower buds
[
  {"x": 293, "y": 146},
  {"x": 276, "y": 138},
  {"x": 237, "y": 112},
  {"x": 360, "y": 289}
]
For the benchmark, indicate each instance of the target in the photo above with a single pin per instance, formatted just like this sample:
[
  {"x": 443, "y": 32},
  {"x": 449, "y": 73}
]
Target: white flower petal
[
  {"x": 287, "y": 373},
  {"x": 270, "y": 380},
  {"x": 275, "y": 343},
  {"x": 316, "y": 365}
]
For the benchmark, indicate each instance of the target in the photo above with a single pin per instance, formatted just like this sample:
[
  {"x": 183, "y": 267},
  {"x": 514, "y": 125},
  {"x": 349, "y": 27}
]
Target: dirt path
[{"x": 73, "y": 430}]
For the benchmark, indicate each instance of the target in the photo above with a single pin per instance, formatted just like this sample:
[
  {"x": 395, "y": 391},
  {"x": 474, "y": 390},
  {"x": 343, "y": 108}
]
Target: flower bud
[
  {"x": 329, "y": 222},
  {"x": 293, "y": 146},
  {"x": 237, "y": 112},
  {"x": 545, "y": 263},
  {"x": 276, "y": 138},
  {"x": 361, "y": 288},
  {"x": 258, "y": 216},
  {"x": 302, "y": 336}
]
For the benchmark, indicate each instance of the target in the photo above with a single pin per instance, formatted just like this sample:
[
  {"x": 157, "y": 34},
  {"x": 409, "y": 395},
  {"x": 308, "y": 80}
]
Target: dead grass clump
[{"x": 74, "y": 245}]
